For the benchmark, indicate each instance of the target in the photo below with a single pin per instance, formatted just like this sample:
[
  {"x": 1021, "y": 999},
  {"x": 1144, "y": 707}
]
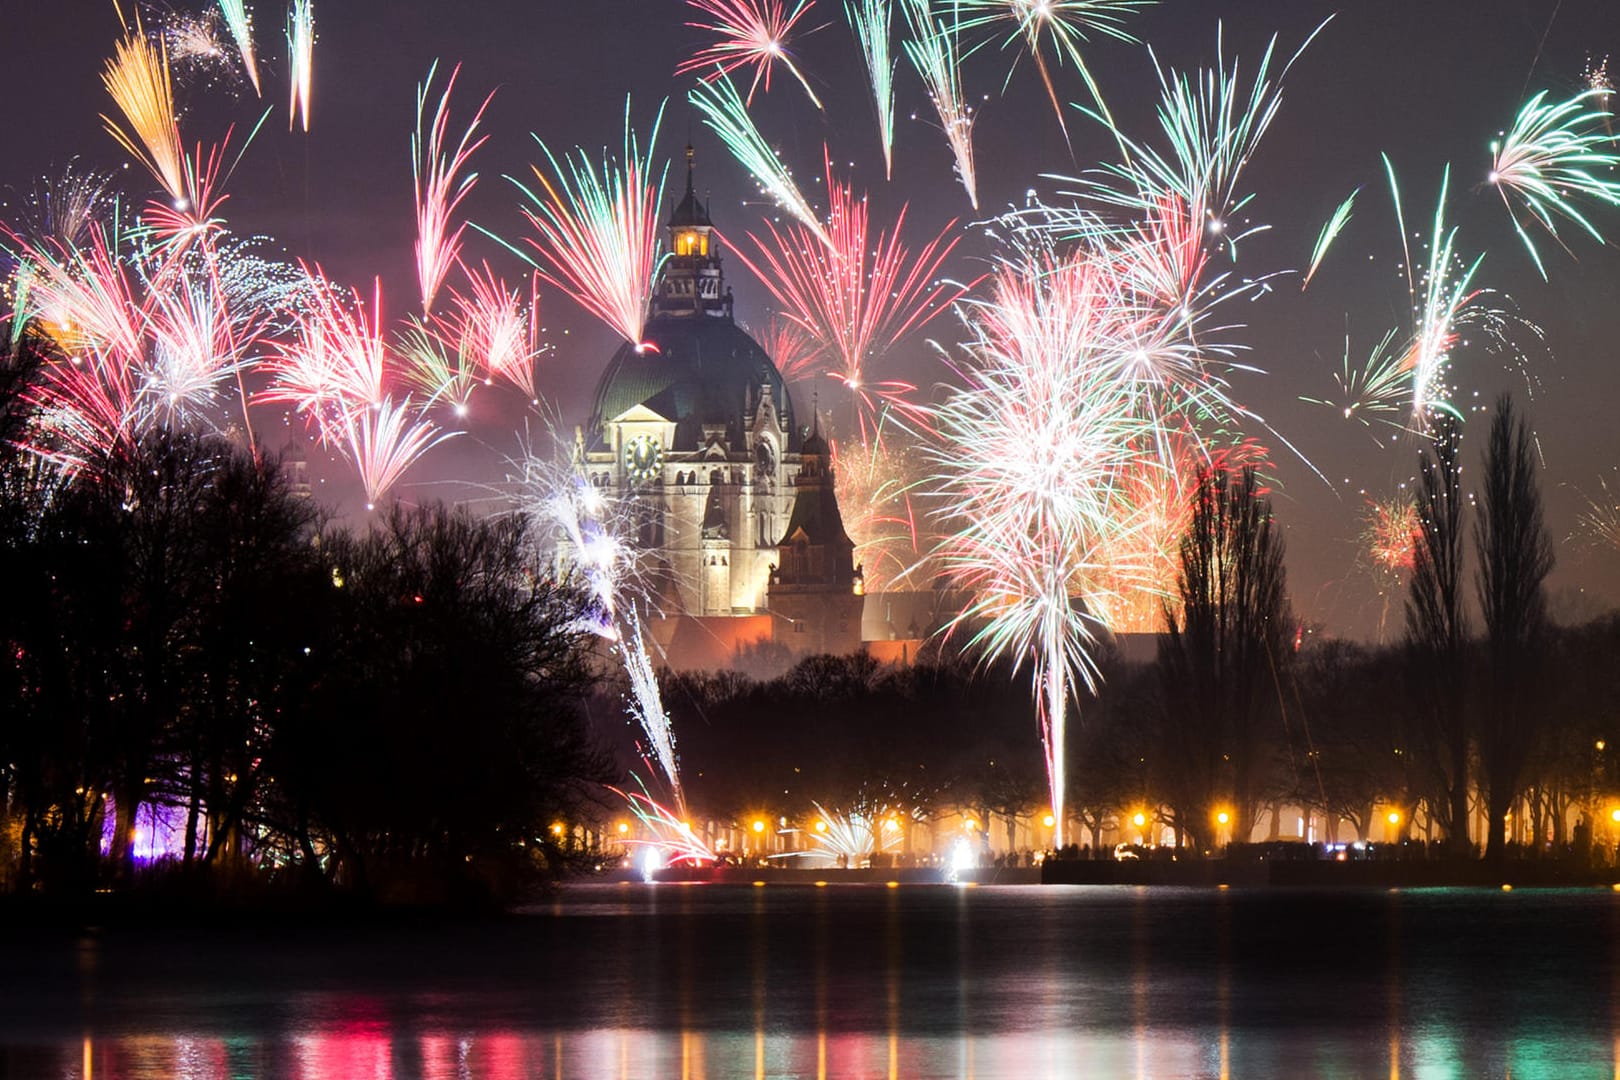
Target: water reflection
[{"x": 777, "y": 982}]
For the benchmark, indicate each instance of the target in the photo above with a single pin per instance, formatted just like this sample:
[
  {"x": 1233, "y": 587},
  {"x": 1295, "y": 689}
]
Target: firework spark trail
[
  {"x": 63, "y": 209},
  {"x": 1330, "y": 232},
  {"x": 497, "y": 331},
  {"x": 240, "y": 24},
  {"x": 725, "y": 113},
  {"x": 195, "y": 344},
  {"x": 856, "y": 295},
  {"x": 301, "y": 60},
  {"x": 84, "y": 296},
  {"x": 193, "y": 42},
  {"x": 870, "y": 20},
  {"x": 752, "y": 33},
  {"x": 137, "y": 78},
  {"x": 1551, "y": 158},
  {"x": 1029, "y": 461},
  {"x": 598, "y": 229},
  {"x": 440, "y": 184},
  {"x": 935, "y": 51},
  {"x": 595, "y": 529},
  {"x": 647, "y": 706},
  {"x": 1067, "y": 24}
]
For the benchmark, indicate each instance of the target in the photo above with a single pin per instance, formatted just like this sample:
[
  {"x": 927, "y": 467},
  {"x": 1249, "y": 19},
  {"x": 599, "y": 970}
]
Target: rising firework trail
[
  {"x": 1557, "y": 154},
  {"x": 870, "y": 20},
  {"x": 935, "y": 51},
  {"x": 441, "y": 183},
  {"x": 725, "y": 113},
  {"x": 751, "y": 33},
  {"x": 597, "y": 230}
]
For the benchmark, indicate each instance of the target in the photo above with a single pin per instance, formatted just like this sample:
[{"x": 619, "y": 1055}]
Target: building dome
[{"x": 697, "y": 373}]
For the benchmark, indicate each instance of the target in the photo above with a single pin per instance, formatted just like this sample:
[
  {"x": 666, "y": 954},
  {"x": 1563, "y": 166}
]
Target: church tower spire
[{"x": 692, "y": 282}]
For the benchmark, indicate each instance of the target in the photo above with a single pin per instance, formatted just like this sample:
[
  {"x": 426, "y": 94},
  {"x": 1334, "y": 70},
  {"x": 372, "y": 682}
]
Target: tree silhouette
[{"x": 1515, "y": 557}]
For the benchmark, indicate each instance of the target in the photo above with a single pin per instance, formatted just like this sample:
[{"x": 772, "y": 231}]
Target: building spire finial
[{"x": 689, "y": 155}]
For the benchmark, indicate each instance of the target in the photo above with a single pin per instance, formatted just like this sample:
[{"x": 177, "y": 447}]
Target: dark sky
[{"x": 1428, "y": 81}]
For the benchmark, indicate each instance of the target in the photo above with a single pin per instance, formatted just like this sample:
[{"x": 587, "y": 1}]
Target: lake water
[{"x": 694, "y": 981}]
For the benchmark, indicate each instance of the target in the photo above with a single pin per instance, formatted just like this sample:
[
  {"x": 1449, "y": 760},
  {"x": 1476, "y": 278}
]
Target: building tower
[{"x": 816, "y": 588}]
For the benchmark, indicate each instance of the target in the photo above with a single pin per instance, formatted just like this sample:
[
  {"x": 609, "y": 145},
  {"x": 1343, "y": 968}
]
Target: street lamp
[
  {"x": 1394, "y": 817},
  {"x": 1048, "y": 821}
]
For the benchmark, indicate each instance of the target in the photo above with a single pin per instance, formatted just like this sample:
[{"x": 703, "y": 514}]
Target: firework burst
[
  {"x": 856, "y": 295},
  {"x": 597, "y": 229},
  {"x": 1068, "y": 25},
  {"x": 386, "y": 439},
  {"x": 1554, "y": 156},
  {"x": 441, "y": 184},
  {"x": 725, "y": 113},
  {"x": 301, "y": 60},
  {"x": 239, "y": 21},
  {"x": 1330, "y": 232},
  {"x": 870, "y": 20},
  {"x": 1030, "y": 461},
  {"x": 935, "y": 51},
  {"x": 498, "y": 330},
  {"x": 138, "y": 80},
  {"x": 752, "y": 33}
]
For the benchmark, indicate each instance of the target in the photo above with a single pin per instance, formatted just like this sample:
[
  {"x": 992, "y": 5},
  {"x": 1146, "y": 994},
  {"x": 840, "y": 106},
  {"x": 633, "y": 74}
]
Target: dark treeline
[
  {"x": 1490, "y": 737},
  {"x": 199, "y": 672}
]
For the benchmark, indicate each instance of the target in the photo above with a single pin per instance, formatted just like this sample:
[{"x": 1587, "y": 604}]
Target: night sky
[{"x": 1428, "y": 81}]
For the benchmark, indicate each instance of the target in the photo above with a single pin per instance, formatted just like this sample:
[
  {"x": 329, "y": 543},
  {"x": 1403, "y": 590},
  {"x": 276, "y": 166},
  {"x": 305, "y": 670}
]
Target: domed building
[{"x": 695, "y": 428}]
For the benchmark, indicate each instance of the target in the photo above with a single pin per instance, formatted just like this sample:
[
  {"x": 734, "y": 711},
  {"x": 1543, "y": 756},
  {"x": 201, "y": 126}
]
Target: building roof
[
  {"x": 696, "y": 372},
  {"x": 689, "y": 211}
]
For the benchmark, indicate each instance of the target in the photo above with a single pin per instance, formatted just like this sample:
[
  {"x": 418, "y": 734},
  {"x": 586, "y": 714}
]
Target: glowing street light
[
  {"x": 1048, "y": 821},
  {"x": 759, "y": 825},
  {"x": 1223, "y": 817},
  {"x": 1139, "y": 819},
  {"x": 1394, "y": 817}
]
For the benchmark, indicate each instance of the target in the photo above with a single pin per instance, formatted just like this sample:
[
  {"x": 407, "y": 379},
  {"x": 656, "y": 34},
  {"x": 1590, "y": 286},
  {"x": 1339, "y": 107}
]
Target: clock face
[{"x": 643, "y": 458}]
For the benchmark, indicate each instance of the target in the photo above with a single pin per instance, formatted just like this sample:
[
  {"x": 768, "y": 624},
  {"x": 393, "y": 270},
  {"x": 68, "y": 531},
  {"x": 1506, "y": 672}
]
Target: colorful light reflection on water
[{"x": 785, "y": 981}]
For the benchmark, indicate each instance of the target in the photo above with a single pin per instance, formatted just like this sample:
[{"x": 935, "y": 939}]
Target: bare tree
[
  {"x": 1437, "y": 631},
  {"x": 1515, "y": 556}
]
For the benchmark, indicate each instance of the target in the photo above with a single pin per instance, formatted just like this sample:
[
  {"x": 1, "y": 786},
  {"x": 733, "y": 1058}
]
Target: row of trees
[
  {"x": 398, "y": 711},
  {"x": 1240, "y": 711}
]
